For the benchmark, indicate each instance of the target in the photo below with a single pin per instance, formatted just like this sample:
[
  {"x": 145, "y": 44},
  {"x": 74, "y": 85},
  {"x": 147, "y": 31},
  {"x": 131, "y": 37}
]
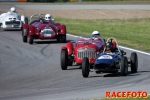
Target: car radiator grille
[
  {"x": 86, "y": 53},
  {"x": 13, "y": 22},
  {"x": 101, "y": 66}
]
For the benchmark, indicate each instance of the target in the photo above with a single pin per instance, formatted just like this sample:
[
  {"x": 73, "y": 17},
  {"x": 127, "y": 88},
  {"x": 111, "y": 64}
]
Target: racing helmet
[
  {"x": 109, "y": 46},
  {"x": 47, "y": 17},
  {"x": 12, "y": 9},
  {"x": 95, "y": 35}
]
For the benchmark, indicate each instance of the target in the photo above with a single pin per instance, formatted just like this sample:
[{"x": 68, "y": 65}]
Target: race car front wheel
[
  {"x": 30, "y": 39},
  {"x": 85, "y": 67},
  {"x": 24, "y": 38},
  {"x": 63, "y": 59},
  {"x": 124, "y": 66},
  {"x": 134, "y": 62},
  {"x": 24, "y": 35}
]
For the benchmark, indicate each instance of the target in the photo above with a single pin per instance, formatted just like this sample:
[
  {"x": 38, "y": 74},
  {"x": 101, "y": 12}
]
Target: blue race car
[{"x": 111, "y": 60}]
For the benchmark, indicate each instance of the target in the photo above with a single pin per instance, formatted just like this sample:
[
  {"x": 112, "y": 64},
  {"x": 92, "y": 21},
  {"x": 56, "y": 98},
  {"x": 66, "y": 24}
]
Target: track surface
[
  {"x": 32, "y": 72},
  {"x": 78, "y": 7}
]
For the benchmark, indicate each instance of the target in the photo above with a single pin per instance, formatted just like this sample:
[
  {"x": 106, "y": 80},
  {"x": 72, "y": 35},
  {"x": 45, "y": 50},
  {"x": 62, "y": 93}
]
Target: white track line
[{"x": 122, "y": 47}]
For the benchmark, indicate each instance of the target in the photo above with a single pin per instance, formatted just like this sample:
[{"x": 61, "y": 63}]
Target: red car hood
[{"x": 43, "y": 25}]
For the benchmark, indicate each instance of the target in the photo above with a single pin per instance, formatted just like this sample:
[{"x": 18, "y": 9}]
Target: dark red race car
[
  {"x": 40, "y": 28},
  {"x": 83, "y": 47}
]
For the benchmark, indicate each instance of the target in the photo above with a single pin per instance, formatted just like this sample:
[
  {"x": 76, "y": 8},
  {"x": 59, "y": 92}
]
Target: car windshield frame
[
  {"x": 39, "y": 16},
  {"x": 80, "y": 37}
]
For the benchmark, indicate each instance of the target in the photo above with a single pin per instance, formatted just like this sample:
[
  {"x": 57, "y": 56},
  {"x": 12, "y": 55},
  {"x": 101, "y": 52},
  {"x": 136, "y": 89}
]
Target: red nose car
[
  {"x": 83, "y": 47},
  {"x": 43, "y": 29}
]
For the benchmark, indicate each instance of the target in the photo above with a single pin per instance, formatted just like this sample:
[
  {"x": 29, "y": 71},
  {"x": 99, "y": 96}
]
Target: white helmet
[
  {"x": 47, "y": 17},
  {"x": 12, "y": 9},
  {"x": 95, "y": 35}
]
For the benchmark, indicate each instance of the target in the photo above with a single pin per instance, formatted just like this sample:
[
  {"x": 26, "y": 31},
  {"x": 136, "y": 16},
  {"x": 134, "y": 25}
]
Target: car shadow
[
  {"x": 9, "y": 30},
  {"x": 49, "y": 42},
  {"x": 119, "y": 74},
  {"x": 74, "y": 67}
]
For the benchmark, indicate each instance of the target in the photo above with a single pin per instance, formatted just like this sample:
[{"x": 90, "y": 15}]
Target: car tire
[
  {"x": 24, "y": 37},
  {"x": 134, "y": 62},
  {"x": 58, "y": 39},
  {"x": 31, "y": 39},
  {"x": 26, "y": 20},
  {"x": 85, "y": 67},
  {"x": 63, "y": 38},
  {"x": 124, "y": 66},
  {"x": 63, "y": 59}
]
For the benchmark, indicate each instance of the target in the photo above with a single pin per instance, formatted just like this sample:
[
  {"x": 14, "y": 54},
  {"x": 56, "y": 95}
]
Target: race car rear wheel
[
  {"x": 58, "y": 39},
  {"x": 85, "y": 67},
  {"x": 134, "y": 62},
  {"x": 63, "y": 38},
  {"x": 124, "y": 66},
  {"x": 31, "y": 39},
  {"x": 63, "y": 59}
]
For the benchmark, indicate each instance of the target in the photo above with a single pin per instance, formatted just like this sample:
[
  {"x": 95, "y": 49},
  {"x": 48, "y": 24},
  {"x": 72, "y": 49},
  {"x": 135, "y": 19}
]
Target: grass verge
[{"x": 134, "y": 33}]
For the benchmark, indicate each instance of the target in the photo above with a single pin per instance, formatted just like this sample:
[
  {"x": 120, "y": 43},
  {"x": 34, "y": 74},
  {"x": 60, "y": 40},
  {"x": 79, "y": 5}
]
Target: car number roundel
[{"x": 105, "y": 57}]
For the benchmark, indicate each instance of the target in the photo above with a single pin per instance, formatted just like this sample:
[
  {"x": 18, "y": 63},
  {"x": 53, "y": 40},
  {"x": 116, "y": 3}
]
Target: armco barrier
[{"x": 13, "y": 0}]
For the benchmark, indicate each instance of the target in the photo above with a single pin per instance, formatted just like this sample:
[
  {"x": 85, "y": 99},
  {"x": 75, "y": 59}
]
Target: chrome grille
[
  {"x": 13, "y": 22},
  {"x": 86, "y": 52},
  {"x": 47, "y": 32}
]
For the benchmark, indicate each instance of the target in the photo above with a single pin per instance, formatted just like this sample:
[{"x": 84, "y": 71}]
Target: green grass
[{"x": 134, "y": 33}]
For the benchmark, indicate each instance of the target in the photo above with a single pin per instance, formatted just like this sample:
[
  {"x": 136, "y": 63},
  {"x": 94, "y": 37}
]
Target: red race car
[
  {"x": 43, "y": 28},
  {"x": 83, "y": 47}
]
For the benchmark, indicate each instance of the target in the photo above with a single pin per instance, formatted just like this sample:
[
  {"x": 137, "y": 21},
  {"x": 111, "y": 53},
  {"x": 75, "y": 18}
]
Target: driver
[
  {"x": 95, "y": 35},
  {"x": 13, "y": 10},
  {"x": 110, "y": 47},
  {"x": 49, "y": 17}
]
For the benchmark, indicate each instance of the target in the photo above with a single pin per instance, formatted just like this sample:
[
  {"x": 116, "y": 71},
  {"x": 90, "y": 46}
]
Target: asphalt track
[{"x": 32, "y": 72}]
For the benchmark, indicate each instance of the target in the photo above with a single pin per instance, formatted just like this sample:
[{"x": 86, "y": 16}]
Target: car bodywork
[
  {"x": 12, "y": 21},
  {"x": 83, "y": 47},
  {"x": 41, "y": 29},
  {"x": 112, "y": 62}
]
